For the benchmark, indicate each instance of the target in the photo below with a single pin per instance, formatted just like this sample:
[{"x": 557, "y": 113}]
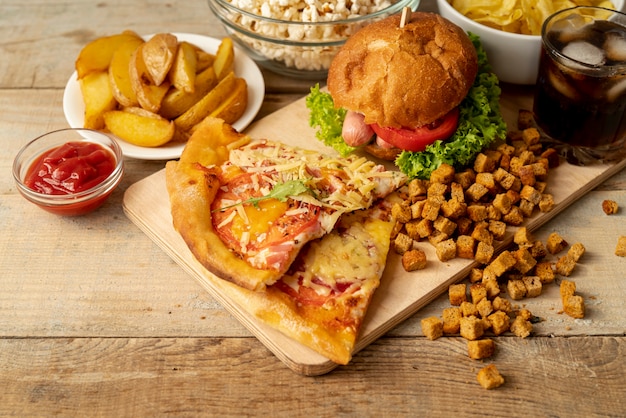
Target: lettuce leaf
[
  {"x": 328, "y": 120},
  {"x": 480, "y": 124}
]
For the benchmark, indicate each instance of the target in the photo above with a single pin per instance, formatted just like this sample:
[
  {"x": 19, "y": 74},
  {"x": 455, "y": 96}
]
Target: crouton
[
  {"x": 555, "y": 243},
  {"x": 545, "y": 272},
  {"x": 416, "y": 209},
  {"x": 472, "y": 328},
  {"x": 491, "y": 285},
  {"x": 475, "y": 274},
  {"x": 476, "y": 212},
  {"x": 402, "y": 243},
  {"x": 487, "y": 180},
  {"x": 500, "y": 322},
  {"x": 417, "y": 187},
  {"x": 533, "y": 286},
  {"x": 515, "y": 217},
  {"x": 501, "y": 304},
  {"x": 476, "y": 192},
  {"x": 526, "y": 208},
  {"x": 451, "y": 320},
  {"x": 538, "y": 250},
  {"x": 546, "y": 204},
  {"x": 516, "y": 289},
  {"x": 401, "y": 211},
  {"x": 457, "y": 294},
  {"x": 565, "y": 265},
  {"x": 610, "y": 207},
  {"x": 523, "y": 237},
  {"x": 477, "y": 292},
  {"x": 521, "y": 327},
  {"x": 446, "y": 250},
  {"x": 620, "y": 249},
  {"x": 504, "y": 178},
  {"x": 502, "y": 202},
  {"x": 531, "y": 194},
  {"x": 445, "y": 225},
  {"x": 483, "y": 163},
  {"x": 436, "y": 189},
  {"x": 424, "y": 228},
  {"x": 414, "y": 260},
  {"x": 497, "y": 229},
  {"x": 453, "y": 208},
  {"x": 465, "y": 247},
  {"x": 526, "y": 174},
  {"x": 465, "y": 178},
  {"x": 480, "y": 349},
  {"x": 567, "y": 288},
  {"x": 431, "y": 208},
  {"x": 502, "y": 263},
  {"x": 432, "y": 327},
  {"x": 574, "y": 306},
  {"x": 457, "y": 192},
  {"x": 481, "y": 233},
  {"x": 484, "y": 252},
  {"x": 484, "y": 307},
  {"x": 468, "y": 309},
  {"x": 489, "y": 377},
  {"x": 524, "y": 260},
  {"x": 443, "y": 174},
  {"x": 576, "y": 251}
]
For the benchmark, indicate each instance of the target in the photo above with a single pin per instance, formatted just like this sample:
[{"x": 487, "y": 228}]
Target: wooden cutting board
[{"x": 400, "y": 294}]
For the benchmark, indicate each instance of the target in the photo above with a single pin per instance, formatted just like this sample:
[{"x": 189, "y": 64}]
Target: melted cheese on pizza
[{"x": 268, "y": 233}]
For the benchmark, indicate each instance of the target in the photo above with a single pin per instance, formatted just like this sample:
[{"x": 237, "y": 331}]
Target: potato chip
[{"x": 518, "y": 16}]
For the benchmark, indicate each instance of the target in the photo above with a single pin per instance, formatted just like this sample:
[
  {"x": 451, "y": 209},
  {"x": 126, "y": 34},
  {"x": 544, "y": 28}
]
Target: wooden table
[{"x": 96, "y": 320}]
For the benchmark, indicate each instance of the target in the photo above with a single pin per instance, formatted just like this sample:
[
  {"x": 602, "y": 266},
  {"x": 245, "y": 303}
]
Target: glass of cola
[{"x": 580, "y": 94}]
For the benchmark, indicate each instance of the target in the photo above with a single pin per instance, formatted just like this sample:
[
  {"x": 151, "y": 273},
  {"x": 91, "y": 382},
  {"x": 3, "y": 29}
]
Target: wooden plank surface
[{"x": 400, "y": 294}]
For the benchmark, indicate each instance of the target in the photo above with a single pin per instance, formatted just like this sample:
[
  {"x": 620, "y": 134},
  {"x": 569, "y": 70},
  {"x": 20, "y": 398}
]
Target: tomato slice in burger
[{"x": 419, "y": 138}]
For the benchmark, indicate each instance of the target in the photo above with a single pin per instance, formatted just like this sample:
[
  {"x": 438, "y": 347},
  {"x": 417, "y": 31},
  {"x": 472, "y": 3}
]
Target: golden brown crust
[{"x": 404, "y": 77}]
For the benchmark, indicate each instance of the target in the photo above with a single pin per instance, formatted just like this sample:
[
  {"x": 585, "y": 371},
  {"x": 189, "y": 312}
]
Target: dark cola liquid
[{"x": 579, "y": 106}]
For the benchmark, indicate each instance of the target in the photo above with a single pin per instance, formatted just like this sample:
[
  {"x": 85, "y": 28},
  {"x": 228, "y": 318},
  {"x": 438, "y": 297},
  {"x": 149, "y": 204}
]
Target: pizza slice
[
  {"x": 246, "y": 208},
  {"x": 322, "y": 300}
]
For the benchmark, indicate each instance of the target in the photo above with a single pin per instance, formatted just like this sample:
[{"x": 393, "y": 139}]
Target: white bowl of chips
[{"x": 510, "y": 31}]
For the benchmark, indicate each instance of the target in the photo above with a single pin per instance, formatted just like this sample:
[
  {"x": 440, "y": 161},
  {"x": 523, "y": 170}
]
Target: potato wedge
[
  {"x": 158, "y": 55},
  {"x": 176, "y": 101},
  {"x": 139, "y": 127},
  {"x": 119, "y": 73},
  {"x": 204, "y": 60},
  {"x": 224, "y": 58},
  {"x": 98, "y": 98},
  {"x": 97, "y": 54},
  {"x": 207, "y": 104},
  {"x": 149, "y": 95},
  {"x": 235, "y": 104},
  {"x": 183, "y": 72}
]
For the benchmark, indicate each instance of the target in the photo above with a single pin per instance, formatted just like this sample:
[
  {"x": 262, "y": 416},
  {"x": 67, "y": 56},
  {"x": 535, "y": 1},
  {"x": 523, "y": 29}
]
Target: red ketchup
[{"x": 71, "y": 168}]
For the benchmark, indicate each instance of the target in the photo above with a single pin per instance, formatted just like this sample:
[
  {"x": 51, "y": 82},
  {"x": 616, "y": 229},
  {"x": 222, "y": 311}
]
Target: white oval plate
[{"x": 74, "y": 108}]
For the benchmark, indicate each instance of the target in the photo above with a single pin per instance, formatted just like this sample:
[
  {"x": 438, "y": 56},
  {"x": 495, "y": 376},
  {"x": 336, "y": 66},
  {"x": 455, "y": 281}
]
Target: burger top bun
[{"x": 404, "y": 77}]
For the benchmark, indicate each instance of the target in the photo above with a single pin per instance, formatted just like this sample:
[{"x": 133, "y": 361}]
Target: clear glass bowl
[
  {"x": 296, "y": 49},
  {"x": 72, "y": 204}
]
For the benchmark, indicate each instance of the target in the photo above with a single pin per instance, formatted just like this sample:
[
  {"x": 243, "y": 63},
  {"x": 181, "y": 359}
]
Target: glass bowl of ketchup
[{"x": 69, "y": 172}]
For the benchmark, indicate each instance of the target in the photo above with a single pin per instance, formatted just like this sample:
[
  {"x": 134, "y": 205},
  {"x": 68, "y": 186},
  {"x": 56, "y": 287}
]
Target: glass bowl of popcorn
[{"x": 299, "y": 38}]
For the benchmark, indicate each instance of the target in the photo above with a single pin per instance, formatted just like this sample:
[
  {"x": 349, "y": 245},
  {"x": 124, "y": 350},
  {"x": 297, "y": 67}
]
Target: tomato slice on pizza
[{"x": 225, "y": 208}]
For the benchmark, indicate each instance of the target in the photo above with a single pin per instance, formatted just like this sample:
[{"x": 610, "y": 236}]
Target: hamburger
[{"x": 401, "y": 91}]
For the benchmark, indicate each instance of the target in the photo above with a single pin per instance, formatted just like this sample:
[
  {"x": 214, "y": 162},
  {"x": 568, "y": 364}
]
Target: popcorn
[{"x": 314, "y": 58}]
